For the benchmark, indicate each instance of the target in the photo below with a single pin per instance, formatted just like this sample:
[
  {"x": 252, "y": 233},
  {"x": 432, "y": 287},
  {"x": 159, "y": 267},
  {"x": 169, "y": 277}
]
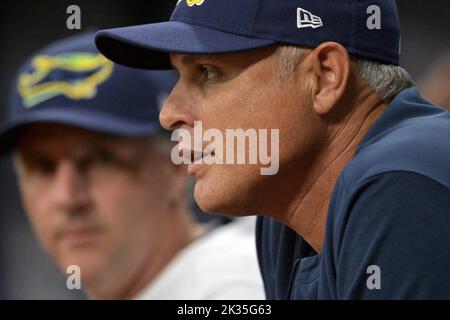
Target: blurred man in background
[
  {"x": 436, "y": 83},
  {"x": 99, "y": 188}
]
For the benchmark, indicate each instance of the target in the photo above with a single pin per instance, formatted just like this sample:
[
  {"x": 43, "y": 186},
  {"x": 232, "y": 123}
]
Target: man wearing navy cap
[
  {"x": 360, "y": 205},
  {"x": 98, "y": 186}
]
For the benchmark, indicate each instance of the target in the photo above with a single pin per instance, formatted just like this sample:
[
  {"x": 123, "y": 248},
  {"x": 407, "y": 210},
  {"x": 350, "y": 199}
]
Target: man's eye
[
  {"x": 105, "y": 157},
  {"x": 37, "y": 166},
  {"x": 209, "y": 72},
  {"x": 44, "y": 167}
]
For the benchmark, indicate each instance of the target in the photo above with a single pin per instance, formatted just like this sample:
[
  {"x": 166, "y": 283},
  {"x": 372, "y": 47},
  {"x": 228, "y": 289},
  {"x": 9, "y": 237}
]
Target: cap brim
[
  {"x": 84, "y": 119},
  {"x": 147, "y": 46}
]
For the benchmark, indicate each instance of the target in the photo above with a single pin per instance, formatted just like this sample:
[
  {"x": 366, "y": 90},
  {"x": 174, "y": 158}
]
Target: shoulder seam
[{"x": 403, "y": 171}]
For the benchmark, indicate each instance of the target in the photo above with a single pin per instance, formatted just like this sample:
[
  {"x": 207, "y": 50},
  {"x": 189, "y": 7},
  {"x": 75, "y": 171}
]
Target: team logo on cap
[
  {"x": 192, "y": 3},
  {"x": 306, "y": 19},
  {"x": 73, "y": 75}
]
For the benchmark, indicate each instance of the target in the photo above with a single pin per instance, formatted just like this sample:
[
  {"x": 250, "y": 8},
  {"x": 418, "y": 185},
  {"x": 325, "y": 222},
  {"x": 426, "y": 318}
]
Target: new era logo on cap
[{"x": 306, "y": 19}]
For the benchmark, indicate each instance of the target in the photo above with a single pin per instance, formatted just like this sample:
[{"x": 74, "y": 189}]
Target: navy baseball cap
[
  {"x": 71, "y": 83},
  {"x": 368, "y": 29}
]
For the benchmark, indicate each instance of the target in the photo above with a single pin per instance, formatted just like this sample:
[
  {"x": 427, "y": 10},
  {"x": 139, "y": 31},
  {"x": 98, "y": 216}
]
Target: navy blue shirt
[{"x": 388, "y": 224}]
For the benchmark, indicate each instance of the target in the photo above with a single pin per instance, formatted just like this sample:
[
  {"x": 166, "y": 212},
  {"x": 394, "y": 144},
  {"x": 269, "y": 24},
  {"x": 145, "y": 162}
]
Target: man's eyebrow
[
  {"x": 186, "y": 59},
  {"x": 191, "y": 59}
]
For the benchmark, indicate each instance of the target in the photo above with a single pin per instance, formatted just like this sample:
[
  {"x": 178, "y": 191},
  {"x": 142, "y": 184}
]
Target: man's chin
[
  {"x": 206, "y": 197},
  {"x": 219, "y": 202},
  {"x": 90, "y": 264}
]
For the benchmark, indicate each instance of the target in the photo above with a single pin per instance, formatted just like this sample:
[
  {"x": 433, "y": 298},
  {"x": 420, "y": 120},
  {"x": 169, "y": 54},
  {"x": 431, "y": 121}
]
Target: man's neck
[
  {"x": 155, "y": 265},
  {"x": 308, "y": 213},
  {"x": 179, "y": 235}
]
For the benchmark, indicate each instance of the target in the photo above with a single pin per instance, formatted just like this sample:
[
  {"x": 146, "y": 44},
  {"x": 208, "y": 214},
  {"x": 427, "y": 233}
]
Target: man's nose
[
  {"x": 70, "y": 188},
  {"x": 176, "y": 111}
]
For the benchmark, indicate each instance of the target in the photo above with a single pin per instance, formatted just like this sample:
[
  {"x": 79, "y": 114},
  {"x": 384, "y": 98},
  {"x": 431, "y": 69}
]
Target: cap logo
[
  {"x": 80, "y": 74},
  {"x": 192, "y": 3},
  {"x": 306, "y": 19}
]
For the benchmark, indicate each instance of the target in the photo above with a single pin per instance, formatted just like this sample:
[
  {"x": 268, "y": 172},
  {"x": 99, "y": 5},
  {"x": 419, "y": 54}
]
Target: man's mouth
[
  {"x": 198, "y": 161},
  {"x": 79, "y": 236},
  {"x": 196, "y": 157}
]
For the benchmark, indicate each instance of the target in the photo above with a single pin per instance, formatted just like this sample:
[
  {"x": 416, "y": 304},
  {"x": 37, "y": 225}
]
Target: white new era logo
[{"x": 306, "y": 19}]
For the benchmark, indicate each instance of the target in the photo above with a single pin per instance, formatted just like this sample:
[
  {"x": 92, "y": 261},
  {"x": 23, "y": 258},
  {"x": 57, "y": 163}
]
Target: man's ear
[
  {"x": 331, "y": 67},
  {"x": 17, "y": 162}
]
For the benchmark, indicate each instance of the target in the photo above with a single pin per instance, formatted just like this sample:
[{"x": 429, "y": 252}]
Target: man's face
[
  {"x": 95, "y": 201},
  {"x": 242, "y": 90}
]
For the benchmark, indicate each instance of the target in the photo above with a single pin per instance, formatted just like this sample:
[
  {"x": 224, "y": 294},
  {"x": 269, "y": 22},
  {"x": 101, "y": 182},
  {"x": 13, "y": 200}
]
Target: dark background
[{"x": 25, "y": 271}]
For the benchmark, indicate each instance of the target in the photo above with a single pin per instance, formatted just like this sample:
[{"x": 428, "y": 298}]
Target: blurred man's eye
[
  {"x": 109, "y": 161},
  {"x": 37, "y": 165},
  {"x": 45, "y": 167},
  {"x": 105, "y": 157}
]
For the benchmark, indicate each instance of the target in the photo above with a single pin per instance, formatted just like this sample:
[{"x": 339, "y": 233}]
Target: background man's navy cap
[
  {"x": 71, "y": 83},
  {"x": 368, "y": 29}
]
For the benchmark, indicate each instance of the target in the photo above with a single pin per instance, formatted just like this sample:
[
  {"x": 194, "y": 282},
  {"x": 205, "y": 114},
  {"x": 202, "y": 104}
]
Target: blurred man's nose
[
  {"x": 70, "y": 189},
  {"x": 176, "y": 111}
]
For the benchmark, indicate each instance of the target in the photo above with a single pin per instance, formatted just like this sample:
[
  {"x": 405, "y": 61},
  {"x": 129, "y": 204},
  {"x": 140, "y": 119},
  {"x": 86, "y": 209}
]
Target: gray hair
[{"x": 386, "y": 80}]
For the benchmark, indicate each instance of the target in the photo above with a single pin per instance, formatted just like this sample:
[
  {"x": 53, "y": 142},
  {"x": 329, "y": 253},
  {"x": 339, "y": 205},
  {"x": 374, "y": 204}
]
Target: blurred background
[{"x": 25, "y": 271}]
